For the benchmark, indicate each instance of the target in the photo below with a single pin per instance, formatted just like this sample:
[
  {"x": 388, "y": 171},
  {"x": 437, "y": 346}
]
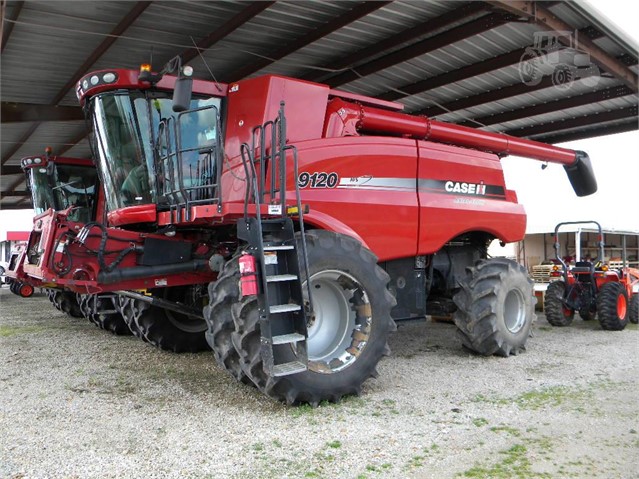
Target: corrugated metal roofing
[{"x": 49, "y": 42}]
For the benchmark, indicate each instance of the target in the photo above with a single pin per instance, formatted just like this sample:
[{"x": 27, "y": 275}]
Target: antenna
[{"x": 219, "y": 88}]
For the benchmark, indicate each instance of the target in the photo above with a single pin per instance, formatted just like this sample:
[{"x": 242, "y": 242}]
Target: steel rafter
[
  {"x": 598, "y": 130},
  {"x": 550, "y": 106},
  {"x": 577, "y": 122},
  {"x": 18, "y": 112},
  {"x": 8, "y": 22},
  {"x": 227, "y": 28},
  {"x": 356, "y": 13},
  {"x": 422, "y": 47},
  {"x": 465, "y": 12}
]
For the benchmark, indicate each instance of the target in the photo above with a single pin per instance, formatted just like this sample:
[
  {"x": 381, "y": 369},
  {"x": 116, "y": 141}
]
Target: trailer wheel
[
  {"x": 223, "y": 294},
  {"x": 555, "y": 310},
  {"x": 67, "y": 302},
  {"x": 495, "y": 308},
  {"x": 633, "y": 311},
  {"x": 347, "y": 336},
  {"x": 25, "y": 290},
  {"x": 103, "y": 311},
  {"x": 166, "y": 329},
  {"x": 612, "y": 305}
]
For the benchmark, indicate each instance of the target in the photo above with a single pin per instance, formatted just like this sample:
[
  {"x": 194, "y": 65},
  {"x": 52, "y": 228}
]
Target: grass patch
[
  {"x": 480, "y": 421},
  {"x": 8, "y": 331},
  {"x": 514, "y": 465},
  {"x": 334, "y": 444},
  {"x": 507, "y": 429}
]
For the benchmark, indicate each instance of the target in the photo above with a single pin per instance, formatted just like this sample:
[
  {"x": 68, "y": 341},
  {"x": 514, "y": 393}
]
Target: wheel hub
[{"x": 514, "y": 311}]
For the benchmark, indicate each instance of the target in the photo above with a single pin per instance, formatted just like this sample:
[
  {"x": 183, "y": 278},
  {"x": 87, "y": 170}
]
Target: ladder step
[
  {"x": 288, "y": 338},
  {"x": 286, "y": 369},
  {"x": 280, "y": 277},
  {"x": 280, "y": 247},
  {"x": 284, "y": 308}
]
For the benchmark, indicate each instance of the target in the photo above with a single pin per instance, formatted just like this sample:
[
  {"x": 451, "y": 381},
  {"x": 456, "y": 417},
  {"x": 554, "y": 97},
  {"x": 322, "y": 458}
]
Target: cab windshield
[
  {"x": 60, "y": 186},
  {"x": 125, "y": 131}
]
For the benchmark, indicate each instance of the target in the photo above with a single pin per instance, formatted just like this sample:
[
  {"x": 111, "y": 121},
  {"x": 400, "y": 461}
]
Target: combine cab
[
  {"x": 292, "y": 224},
  {"x": 593, "y": 289}
]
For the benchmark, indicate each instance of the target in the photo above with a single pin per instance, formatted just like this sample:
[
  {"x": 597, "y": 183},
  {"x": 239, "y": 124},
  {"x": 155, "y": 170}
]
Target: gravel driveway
[{"x": 76, "y": 401}]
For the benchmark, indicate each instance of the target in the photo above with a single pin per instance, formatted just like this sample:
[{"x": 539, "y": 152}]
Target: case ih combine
[{"x": 287, "y": 225}]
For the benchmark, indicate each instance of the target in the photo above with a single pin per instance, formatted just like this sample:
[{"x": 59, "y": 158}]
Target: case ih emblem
[{"x": 465, "y": 188}]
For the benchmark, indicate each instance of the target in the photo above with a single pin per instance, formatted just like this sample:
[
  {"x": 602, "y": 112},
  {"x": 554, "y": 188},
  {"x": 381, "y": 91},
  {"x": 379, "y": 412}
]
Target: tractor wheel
[
  {"x": 164, "y": 329},
  {"x": 347, "y": 335},
  {"x": 13, "y": 287},
  {"x": 102, "y": 311},
  {"x": 223, "y": 294},
  {"x": 67, "y": 302},
  {"x": 612, "y": 306},
  {"x": 555, "y": 310},
  {"x": 563, "y": 76},
  {"x": 529, "y": 69},
  {"x": 25, "y": 290},
  {"x": 495, "y": 308},
  {"x": 633, "y": 311}
]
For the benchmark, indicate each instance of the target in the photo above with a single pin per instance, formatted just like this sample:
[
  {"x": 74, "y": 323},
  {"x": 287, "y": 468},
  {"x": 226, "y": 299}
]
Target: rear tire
[
  {"x": 495, "y": 308},
  {"x": 344, "y": 349},
  {"x": 166, "y": 329},
  {"x": 633, "y": 312},
  {"x": 556, "y": 312},
  {"x": 588, "y": 314},
  {"x": 95, "y": 307},
  {"x": 612, "y": 305}
]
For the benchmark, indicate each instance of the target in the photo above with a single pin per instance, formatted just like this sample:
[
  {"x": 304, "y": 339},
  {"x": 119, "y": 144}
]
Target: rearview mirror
[{"x": 182, "y": 93}]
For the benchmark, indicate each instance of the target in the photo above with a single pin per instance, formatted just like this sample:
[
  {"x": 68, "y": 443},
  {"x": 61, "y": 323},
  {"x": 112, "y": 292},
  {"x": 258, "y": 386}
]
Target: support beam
[
  {"x": 5, "y": 194},
  {"x": 540, "y": 15},
  {"x": 71, "y": 143},
  {"x": 17, "y": 112},
  {"x": 578, "y": 122},
  {"x": 227, "y": 28},
  {"x": 356, "y": 13},
  {"x": 592, "y": 132},
  {"x": 10, "y": 170},
  {"x": 8, "y": 22},
  {"x": 441, "y": 40},
  {"x": 460, "y": 14},
  {"x": 551, "y": 106},
  {"x": 18, "y": 144}
]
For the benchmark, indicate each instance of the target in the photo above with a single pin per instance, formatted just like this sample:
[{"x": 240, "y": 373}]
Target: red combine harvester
[
  {"x": 56, "y": 184},
  {"x": 592, "y": 289},
  {"x": 306, "y": 219}
]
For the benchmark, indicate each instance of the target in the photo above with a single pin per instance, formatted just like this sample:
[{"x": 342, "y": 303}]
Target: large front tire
[
  {"x": 495, "y": 308},
  {"x": 612, "y": 306},
  {"x": 557, "y": 313},
  {"x": 347, "y": 331}
]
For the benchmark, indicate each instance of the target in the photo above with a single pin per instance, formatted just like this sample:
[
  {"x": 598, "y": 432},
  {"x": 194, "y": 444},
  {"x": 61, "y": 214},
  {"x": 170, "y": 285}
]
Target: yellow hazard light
[
  {"x": 604, "y": 268},
  {"x": 555, "y": 268},
  {"x": 145, "y": 67}
]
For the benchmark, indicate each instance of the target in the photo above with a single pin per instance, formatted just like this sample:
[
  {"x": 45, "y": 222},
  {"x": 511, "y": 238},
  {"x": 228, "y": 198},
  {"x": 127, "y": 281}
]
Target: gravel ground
[{"x": 76, "y": 401}]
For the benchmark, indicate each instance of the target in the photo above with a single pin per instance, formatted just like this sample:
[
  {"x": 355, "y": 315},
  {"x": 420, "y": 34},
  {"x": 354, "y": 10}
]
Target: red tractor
[
  {"x": 288, "y": 225},
  {"x": 592, "y": 289}
]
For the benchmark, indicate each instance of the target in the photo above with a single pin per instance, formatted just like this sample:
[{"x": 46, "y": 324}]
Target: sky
[{"x": 547, "y": 194}]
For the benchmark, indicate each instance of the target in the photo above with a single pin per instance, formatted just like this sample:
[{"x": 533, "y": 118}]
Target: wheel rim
[
  {"x": 621, "y": 306},
  {"x": 339, "y": 326},
  {"x": 26, "y": 290},
  {"x": 514, "y": 311},
  {"x": 183, "y": 322}
]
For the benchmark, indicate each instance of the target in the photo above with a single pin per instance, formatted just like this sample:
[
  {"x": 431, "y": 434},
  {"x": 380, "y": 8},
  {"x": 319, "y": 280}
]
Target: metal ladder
[{"x": 272, "y": 241}]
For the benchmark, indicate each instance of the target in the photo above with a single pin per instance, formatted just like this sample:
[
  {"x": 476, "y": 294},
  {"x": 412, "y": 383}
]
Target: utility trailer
[{"x": 305, "y": 220}]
